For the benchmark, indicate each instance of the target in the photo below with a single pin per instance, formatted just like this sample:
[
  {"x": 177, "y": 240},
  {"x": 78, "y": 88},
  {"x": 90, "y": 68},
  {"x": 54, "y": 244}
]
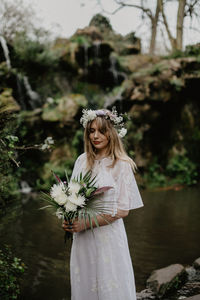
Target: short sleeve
[
  {"x": 128, "y": 195},
  {"x": 78, "y": 165}
]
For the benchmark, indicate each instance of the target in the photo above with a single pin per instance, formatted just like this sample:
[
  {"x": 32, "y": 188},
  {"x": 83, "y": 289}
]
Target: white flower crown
[{"x": 90, "y": 115}]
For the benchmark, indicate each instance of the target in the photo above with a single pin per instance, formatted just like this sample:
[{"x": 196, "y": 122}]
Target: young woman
[{"x": 100, "y": 265}]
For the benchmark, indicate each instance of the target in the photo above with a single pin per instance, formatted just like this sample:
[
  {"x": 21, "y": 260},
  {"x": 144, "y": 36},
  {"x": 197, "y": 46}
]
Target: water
[
  {"x": 5, "y": 51},
  {"x": 34, "y": 96},
  {"x": 113, "y": 69},
  {"x": 164, "y": 231}
]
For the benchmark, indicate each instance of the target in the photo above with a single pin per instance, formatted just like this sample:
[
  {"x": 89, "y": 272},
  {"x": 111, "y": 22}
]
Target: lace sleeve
[{"x": 128, "y": 195}]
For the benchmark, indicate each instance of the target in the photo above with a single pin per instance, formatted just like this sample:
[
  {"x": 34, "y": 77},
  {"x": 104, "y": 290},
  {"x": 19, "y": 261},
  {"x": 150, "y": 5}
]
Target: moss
[
  {"x": 101, "y": 22},
  {"x": 7, "y": 102},
  {"x": 64, "y": 109}
]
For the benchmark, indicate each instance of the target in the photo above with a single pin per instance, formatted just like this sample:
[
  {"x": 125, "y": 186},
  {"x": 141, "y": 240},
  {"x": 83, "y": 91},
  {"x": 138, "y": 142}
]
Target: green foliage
[
  {"x": 190, "y": 50},
  {"x": 177, "y": 83},
  {"x": 101, "y": 22},
  {"x": 77, "y": 142},
  {"x": 81, "y": 40},
  {"x": 179, "y": 170},
  {"x": 46, "y": 180},
  {"x": 9, "y": 188},
  {"x": 182, "y": 170},
  {"x": 30, "y": 52},
  {"x": 156, "y": 69},
  {"x": 155, "y": 177},
  {"x": 11, "y": 270},
  {"x": 175, "y": 54}
]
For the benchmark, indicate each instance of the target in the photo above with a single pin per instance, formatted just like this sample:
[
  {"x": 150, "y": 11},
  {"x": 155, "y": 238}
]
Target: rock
[
  {"x": 65, "y": 108},
  {"x": 91, "y": 32},
  {"x": 196, "y": 263},
  {"x": 61, "y": 158},
  {"x": 101, "y": 22},
  {"x": 146, "y": 294},
  {"x": 196, "y": 297},
  {"x": 166, "y": 279},
  {"x": 7, "y": 102}
]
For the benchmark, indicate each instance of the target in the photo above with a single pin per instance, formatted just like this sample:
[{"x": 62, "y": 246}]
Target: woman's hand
[{"x": 77, "y": 226}]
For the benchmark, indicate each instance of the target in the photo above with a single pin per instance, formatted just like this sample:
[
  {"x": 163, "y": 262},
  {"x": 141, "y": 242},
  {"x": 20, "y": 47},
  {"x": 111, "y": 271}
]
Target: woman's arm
[{"x": 79, "y": 225}]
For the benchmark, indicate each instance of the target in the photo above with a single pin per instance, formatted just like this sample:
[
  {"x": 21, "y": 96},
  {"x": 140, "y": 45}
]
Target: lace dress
[{"x": 100, "y": 263}]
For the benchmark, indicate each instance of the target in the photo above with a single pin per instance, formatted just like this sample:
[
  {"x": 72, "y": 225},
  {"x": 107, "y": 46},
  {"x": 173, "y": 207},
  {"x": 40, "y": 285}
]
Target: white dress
[{"x": 100, "y": 263}]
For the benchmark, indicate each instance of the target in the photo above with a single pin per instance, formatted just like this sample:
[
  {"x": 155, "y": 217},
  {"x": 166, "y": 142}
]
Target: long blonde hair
[{"x": 115, "y": 148}]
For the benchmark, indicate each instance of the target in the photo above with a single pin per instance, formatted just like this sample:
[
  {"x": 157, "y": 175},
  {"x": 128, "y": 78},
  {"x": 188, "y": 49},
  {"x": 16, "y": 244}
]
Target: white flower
[
  {"x": 47, "y": 143},
  {"x": 74, "y": 187},
  {"x": 49, "y": 140},
  {"x": 91, "y": 115},
  {"x": 44, "y": 147},
  {"x": 77, "y": 199},
  {"x": 59, "y": 213},
  {"x": 69, "y": 206},
  {"x": 122, "y": 132},
  {"x": 88, "y": 115},
  {"x": 57, "y": 192}
]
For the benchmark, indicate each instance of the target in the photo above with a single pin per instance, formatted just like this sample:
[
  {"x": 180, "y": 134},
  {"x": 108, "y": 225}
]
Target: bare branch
[{"x": 145, "y": 10}]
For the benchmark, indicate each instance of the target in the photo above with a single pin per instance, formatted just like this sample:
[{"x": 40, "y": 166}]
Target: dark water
[{"x": 165, "y": 231}]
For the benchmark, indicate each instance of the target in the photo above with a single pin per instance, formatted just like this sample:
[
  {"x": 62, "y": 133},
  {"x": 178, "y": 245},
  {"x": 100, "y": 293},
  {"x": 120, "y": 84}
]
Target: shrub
[
  {"x": 182, "y": 170},
  {"x": 11, "y": 270},
  {"x": 34, "y": 52},
  {"x": 155, "y": 176}
]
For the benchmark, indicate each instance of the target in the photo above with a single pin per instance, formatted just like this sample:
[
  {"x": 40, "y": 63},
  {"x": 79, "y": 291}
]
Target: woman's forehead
[{"x": 96, "y": 124}]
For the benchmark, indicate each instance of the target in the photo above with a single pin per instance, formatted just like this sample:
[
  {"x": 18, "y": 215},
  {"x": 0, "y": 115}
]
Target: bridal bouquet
[{"x": 76, "y": 199}]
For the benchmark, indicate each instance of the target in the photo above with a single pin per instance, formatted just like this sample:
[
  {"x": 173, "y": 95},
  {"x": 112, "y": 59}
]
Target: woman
[{"x": 100, "y": 264}]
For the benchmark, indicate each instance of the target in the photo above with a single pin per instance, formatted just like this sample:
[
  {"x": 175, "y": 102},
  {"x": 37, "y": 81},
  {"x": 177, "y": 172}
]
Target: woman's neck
[{"x": 102, "y": 153}]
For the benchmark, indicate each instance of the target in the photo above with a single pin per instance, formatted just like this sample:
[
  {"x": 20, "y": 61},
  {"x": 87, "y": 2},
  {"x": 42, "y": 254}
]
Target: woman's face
[{"x": 97, "y": 138}]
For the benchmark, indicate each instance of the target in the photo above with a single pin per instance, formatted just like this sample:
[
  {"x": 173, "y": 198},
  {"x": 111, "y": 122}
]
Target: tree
[
  {"x": 146, "y": 12},
  {"x": 186, "y": 8},
  {"x": 158, "y": 18},
  {"x": 15, "y": 17}
]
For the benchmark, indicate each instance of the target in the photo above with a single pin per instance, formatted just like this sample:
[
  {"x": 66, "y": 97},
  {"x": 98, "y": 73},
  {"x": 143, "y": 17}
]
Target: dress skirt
[{"x": 100, "y": 264}]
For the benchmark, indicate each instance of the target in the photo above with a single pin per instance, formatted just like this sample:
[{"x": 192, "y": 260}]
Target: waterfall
[
  {"x": 20, "y": 92},
  {"x": 25, "y": 188},
  {"x": 34, "y": 96},
  {"x": 97, "y": 48},
  {"x": 113, "y": 69},
  {"x": 85, "y": 47},
  {"x": 5, "y": 51}
]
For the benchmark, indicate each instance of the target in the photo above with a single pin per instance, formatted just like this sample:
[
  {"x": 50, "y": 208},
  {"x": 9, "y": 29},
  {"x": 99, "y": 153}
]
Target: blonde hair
[{"x": 115, "y": 146}]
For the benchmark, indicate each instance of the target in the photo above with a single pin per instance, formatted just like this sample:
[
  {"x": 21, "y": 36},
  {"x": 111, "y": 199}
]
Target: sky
[{"x": 64, "y": 17}]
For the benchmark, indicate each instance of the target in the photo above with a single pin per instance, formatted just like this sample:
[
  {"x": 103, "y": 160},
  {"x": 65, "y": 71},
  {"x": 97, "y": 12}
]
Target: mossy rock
[
  {"x": 7, "y": 102},
  {"x": 86, "y": 35},
  {"x": 101, "y": 22},
  {"x": 65, "y": 109}
]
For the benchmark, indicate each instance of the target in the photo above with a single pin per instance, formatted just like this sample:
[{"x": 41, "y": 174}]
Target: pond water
[{"x": 163, "y": 232}]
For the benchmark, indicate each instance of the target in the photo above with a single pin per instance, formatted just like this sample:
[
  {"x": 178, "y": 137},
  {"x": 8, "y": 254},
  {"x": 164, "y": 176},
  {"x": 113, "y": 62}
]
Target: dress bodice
[{"x": 124, "y": 194}]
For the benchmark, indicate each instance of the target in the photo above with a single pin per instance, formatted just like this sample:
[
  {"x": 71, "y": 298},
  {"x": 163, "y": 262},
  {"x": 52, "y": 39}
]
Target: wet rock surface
[{"x": 172, "y": 283}]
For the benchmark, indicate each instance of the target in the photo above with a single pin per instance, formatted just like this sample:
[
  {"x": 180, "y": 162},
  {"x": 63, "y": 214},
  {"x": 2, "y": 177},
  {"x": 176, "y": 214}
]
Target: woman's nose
[{"x": 96, "y": 134}]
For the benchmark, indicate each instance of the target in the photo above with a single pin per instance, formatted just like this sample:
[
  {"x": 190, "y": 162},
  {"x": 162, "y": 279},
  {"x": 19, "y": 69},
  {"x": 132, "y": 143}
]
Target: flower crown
[{"x": 117, "y": 121}]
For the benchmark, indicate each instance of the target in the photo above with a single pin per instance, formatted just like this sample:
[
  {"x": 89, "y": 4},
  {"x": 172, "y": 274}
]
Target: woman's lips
[{"x": 96, "y": 143}]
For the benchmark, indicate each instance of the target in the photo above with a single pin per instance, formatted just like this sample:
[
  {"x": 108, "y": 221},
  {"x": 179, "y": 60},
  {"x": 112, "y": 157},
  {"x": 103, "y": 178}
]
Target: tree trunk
[
  {"x": 179, "y": 24},
  {"x": 154, "y": 22},
  {"x": 170, "y": 36}
]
